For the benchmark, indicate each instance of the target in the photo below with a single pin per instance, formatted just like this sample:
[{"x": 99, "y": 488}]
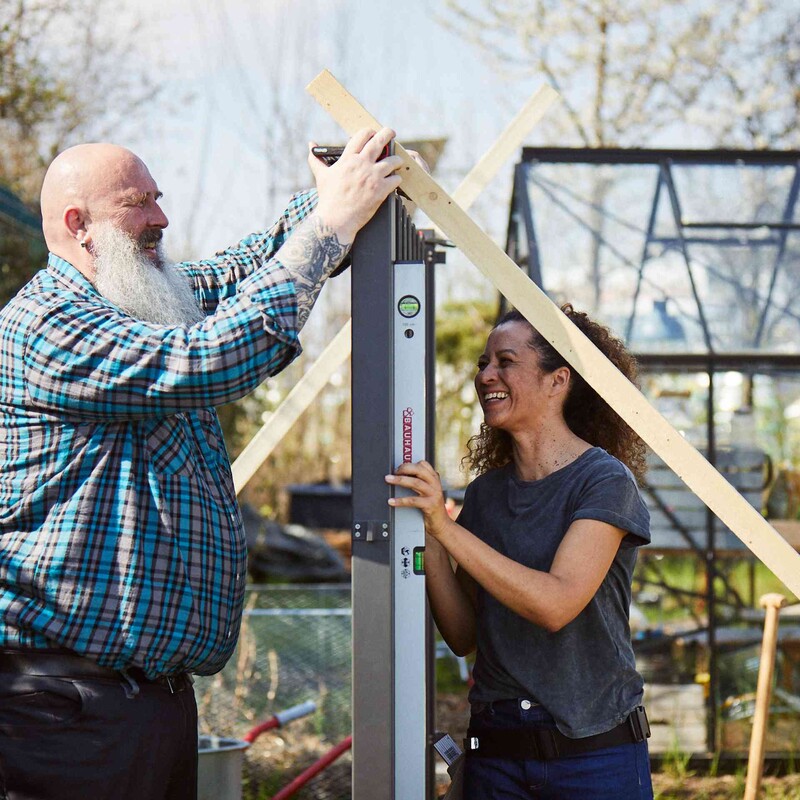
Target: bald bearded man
[{"x": 122, "y": 553}]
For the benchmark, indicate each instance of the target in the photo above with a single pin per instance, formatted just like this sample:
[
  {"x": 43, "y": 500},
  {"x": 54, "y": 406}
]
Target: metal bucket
[{"x": 219, "y": 768}]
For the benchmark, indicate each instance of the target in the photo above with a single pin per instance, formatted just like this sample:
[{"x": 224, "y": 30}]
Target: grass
[
  {"x": 676, "y": 763},
  {"x": 264, "y": 790},
  {"x": 724, "y": 787},
  {"x": 676, "y": 782}
]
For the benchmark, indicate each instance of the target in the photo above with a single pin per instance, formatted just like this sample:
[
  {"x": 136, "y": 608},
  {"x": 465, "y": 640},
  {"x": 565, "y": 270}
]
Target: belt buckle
[{"x": 639, "y": 724}]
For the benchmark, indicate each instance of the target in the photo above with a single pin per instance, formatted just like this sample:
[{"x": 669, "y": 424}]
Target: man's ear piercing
[{"x": 83, "y": 244}]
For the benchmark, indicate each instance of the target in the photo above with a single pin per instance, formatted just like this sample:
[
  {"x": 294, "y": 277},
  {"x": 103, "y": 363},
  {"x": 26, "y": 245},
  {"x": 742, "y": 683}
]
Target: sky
[{"x": 221, "y": 156}]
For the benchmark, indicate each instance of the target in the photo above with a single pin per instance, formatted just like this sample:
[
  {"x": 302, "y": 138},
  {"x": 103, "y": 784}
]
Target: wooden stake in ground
[
  {"x": 755, "y": 762},
  {"x": 687, "y": 463},
  {"x": 319, "y": 373}
]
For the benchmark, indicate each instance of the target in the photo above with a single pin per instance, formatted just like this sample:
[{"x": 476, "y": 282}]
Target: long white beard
[{"x": 129, "y": 279}]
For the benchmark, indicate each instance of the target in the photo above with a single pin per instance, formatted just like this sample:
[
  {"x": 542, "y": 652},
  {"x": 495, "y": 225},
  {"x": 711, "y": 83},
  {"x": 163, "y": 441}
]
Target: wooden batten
[{"x": 693, "y": 469}]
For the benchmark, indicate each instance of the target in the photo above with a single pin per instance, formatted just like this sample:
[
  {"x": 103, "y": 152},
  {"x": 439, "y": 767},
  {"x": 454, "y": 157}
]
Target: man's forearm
[{"x": 311, "y": 254}]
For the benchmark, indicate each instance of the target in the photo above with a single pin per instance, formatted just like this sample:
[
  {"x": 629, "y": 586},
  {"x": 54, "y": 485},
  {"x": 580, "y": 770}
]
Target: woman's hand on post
[
  {"x": 422, "y": 479},
  {"x": 452, "y": 605}
]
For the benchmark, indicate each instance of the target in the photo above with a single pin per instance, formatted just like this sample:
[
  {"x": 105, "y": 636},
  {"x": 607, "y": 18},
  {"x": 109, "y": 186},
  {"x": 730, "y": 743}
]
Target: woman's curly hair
[{"x": 585, "y": 412}]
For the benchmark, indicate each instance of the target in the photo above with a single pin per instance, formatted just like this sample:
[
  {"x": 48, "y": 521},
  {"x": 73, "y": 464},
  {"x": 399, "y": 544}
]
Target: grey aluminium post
[{"x": 390, "y": 737}]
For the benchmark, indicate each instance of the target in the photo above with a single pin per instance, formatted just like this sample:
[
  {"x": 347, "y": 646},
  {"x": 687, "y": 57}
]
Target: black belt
[
  {"x": 65, "y": 664},
  {"x": 547, "y": 743}
]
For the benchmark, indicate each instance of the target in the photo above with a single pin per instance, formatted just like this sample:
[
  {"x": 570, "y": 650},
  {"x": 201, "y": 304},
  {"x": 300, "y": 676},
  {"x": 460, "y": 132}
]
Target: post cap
[{"x": 772, "y": 600}]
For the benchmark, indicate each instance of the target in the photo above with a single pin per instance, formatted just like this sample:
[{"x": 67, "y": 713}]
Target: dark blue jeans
[{"x": 611, "y": 773}]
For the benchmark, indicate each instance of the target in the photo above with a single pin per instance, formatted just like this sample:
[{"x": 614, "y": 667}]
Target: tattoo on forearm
[{"x": 310, "y": 254}]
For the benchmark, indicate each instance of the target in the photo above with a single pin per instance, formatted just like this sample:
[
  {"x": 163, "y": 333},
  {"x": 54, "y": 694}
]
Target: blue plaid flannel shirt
[{"x": 120, "y": 533}]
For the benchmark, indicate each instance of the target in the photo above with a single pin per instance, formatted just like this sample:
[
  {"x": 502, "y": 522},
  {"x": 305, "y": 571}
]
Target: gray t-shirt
[{"x": 584, "y": 674}]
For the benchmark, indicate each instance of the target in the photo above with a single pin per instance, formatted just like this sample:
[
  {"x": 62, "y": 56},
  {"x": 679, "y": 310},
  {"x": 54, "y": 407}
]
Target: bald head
[{"x": 94, "y": 183}]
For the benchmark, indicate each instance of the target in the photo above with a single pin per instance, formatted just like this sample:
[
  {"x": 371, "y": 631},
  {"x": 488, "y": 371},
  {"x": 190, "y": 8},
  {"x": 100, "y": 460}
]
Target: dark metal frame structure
[
  {"x": 523, "y": 245},
  {"x": 689, "y": 232}
]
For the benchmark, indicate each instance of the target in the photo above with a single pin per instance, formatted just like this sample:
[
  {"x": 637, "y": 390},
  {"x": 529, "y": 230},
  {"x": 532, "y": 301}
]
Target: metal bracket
[{"x": 371, "y": 530}]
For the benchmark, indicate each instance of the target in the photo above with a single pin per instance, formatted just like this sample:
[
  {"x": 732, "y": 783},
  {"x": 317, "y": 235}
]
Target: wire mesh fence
[{"x": 294, "y": 647}]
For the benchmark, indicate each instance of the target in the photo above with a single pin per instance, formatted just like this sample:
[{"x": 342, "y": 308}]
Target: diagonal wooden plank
[
  {"x": 278, "y": 424},
  {"x": 690, "y": 466},
  {"x": 290, "y": 409}
]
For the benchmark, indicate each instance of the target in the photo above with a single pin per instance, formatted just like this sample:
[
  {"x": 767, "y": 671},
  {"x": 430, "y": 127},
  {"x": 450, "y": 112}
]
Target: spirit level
[{"x": 392, "y": 300}]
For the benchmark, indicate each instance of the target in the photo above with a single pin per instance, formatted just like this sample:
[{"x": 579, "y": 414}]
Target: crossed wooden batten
[
  {"x": 304, "y": 392},
  {"x": 690, "y": 466}
]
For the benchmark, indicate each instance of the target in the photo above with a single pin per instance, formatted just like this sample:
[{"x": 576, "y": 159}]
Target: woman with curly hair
[{"x": 544, "y": 550}]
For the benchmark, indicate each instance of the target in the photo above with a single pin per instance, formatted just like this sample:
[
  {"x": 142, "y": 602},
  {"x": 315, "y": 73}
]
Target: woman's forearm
[
  {"x": 550, "y": 599},
  {"x": 452, "y": 608}
]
